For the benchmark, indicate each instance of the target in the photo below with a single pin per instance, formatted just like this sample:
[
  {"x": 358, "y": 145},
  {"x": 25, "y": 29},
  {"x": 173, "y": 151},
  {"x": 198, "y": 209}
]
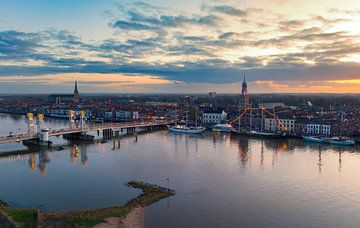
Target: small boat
[
  {"x": 186, "y": 130},
  {"x": 314, "y": 139},
  {"x": 266, "y": 134},
  {"x": 222, "y": 128},
  {"x": 340, "y": 141}
]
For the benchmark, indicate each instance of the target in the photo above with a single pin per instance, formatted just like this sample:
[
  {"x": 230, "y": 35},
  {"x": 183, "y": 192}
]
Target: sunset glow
[{"x": 181, "y": 46}]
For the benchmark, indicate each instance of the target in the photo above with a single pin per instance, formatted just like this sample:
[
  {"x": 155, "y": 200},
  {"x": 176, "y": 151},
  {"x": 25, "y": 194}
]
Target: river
[{"x": 220, "y": 180}]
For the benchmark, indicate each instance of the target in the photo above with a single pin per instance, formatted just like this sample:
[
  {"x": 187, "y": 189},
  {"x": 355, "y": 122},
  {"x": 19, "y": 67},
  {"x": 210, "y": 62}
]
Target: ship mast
[
  {"x": 250, "y": 118},
  {"x": 262, "y": 117}
]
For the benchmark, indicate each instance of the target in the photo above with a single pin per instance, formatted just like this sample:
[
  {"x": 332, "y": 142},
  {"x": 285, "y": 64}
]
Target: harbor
[{"x": 244, "y": 175}]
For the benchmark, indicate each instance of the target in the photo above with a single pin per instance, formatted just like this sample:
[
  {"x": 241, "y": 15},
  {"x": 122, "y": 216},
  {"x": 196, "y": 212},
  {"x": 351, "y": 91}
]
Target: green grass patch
[
  {"x": 28, "y": 218},
  {"x": 25, "y": 218}
]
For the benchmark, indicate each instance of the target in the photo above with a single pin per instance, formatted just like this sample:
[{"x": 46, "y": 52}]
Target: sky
[{"x": 172, "y": 46}]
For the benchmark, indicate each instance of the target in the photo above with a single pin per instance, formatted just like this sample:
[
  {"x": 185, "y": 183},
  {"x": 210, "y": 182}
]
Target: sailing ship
[
  {"x": 274, "y": 134},
  {"x": 185, "y": 129}
]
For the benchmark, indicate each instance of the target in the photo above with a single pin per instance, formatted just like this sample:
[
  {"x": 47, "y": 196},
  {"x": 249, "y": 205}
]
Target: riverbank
[{"x": 84, "y": 218}]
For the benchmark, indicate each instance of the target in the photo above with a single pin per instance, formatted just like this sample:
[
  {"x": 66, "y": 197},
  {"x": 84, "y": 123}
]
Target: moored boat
[
  {"x": 266, "y": 134},
  {"x": 222, "y": 128},
  {"x": 340, "y": 141},
  {"x": 186, "y": 130},
  {"x": 314, "y": 139}
]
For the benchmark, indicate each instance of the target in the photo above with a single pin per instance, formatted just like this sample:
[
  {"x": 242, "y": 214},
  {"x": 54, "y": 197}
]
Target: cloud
[
  {"x": 215, "y": 46},
  {"x": 139, "y": 21},
  {"x": 131, "y": 25},
  {"x": 290, "y": 25},
  {"x": 229, "y": 10}
]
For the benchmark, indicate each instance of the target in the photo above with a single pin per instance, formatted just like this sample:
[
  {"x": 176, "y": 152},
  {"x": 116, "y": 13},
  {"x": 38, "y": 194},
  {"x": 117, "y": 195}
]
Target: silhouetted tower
[
  {"x": 76, "y": 94},
  {"x": 244, "y": 97}
]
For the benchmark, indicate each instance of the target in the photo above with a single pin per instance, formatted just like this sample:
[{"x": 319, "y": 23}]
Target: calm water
[{"x": 221, "y": 180}]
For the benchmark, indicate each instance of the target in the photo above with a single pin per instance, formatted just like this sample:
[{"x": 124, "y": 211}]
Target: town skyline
[{"x": 172, "y": 47}]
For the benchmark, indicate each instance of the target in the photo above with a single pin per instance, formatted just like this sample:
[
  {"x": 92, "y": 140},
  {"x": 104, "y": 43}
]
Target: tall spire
[
  {"x": 76, "y": 94},
  {"x": 76, "y": 89},
  {"x": 244, "y": 84}
]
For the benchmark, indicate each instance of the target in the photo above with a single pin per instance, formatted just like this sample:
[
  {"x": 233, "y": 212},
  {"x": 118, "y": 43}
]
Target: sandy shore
[{"x": 135, "y": 219}]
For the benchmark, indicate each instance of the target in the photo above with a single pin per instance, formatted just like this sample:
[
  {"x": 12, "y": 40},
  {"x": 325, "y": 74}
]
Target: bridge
[{"x": 109, "y": 129}]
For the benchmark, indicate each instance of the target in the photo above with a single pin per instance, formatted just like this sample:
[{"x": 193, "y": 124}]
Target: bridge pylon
[
  {"x": 72, "y": 118},
  {"x": 83, "y": 125},
  {"x": 30, "y": 122},
  {"x": 40, "y": 122}
]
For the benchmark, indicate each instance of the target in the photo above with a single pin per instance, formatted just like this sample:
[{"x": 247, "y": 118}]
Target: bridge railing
[{"x": 29, "y": 135}]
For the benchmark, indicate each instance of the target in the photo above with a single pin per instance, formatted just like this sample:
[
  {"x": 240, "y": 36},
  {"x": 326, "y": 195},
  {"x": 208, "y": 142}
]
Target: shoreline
[{"x": 20, "y": 217}]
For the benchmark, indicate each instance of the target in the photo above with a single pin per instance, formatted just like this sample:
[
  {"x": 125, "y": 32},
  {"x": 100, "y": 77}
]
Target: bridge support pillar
[
  {"x": 79, "y": 136},
  {"x": 108, "y": 133},
  {"x": 42, "y": 140}
]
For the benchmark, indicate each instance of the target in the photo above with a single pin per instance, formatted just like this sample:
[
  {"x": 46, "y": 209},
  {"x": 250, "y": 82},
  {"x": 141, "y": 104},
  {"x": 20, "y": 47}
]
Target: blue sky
[{"x": 179, "y": 46}]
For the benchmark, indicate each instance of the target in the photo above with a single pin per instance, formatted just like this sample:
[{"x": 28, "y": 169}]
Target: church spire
[
  {"x": 244, "y": 84},
  {"x": 76, "y": 89},
  {"x": 76, "y": 94}
]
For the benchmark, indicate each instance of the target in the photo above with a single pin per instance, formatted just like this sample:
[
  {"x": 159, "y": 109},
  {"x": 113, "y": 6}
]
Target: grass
[
  {"x": 29, "y": 218},
  {"x": 89, "y": 218},
  {"x": 25, "y": 218}
]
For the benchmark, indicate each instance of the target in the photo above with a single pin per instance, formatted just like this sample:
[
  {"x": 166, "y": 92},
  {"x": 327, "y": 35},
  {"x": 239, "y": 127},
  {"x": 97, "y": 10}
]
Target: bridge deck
[{"x": 93, "y": 127}]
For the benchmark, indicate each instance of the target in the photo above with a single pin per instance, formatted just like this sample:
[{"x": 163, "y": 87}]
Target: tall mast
[
  {"x": 250, "y": 118},
  {"x": 186, "y": 114},
  {"x": 239, "y": 112},
  {"x": 276, "y": 123},
  {"x": 196, "y": 117},
  {"x": 176, "y": 107},
  {"x": 262, "y": 117}
]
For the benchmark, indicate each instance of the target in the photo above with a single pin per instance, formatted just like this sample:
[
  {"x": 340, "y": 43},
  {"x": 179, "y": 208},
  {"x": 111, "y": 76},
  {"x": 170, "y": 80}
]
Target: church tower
[
  {"x": 76, "y": 94},
  {"x": 244, "y": 98}
]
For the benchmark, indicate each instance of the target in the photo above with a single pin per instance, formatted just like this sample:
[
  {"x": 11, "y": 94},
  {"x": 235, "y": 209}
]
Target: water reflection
[
  {"x": 320, "y": 164},
  {"x": 79, "y": 150},
  {"x": 32, "y": 162},
  {"x": 83, "y": 153},
  {"x": 43, "y": 160},
  {"x": 244, "y": 150}
]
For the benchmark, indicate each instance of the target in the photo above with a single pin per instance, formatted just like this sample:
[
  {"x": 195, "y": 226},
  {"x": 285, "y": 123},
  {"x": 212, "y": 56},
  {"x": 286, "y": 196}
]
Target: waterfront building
[
  {"x": 214, "y": 116},
  {"x": 318, "y": 129},
  {"x": 286, "y": 123}
]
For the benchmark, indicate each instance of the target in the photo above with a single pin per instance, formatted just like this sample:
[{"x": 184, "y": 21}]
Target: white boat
[
  {"x": 340, "y": 141},
  {"x": 222, "y": 128},
  {"x": 186, "y": 130},
  {"x": 266, "y": 134}
]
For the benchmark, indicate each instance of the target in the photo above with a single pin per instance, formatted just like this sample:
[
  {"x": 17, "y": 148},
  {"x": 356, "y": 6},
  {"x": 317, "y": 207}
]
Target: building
[
  {"x": 126, "y": 115},
  {"x": 64, "y": 98},
  {"x": 60, "y": 98},
  {"x": 273, "y": 105},
  {"x": 244, "y": 97},
  {"x": 318, "y": 129},
  {"x": 285, "y": 123},
  {"x": 214, "y": 116},
  {"x": 212, "y": 94},
  {"x": 108, "y": 115}
]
